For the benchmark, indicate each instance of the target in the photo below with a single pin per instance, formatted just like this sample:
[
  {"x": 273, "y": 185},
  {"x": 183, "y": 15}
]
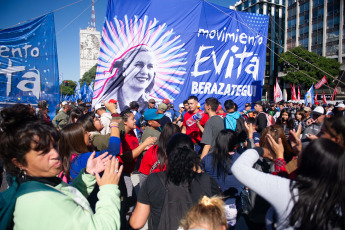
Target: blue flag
[
  {"x": 309, "y": 96},
  {"x": 77, "y": 94},
  {"x": 28, "y": 63},
  {"x": 154, "y": 49},
  {"x": 83, "y": 91}
]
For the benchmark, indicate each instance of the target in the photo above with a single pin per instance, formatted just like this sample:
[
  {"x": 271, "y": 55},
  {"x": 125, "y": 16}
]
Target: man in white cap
[
  {"x": 105, "y": 118},
  {"x": 339, "y": 109},
  {"x": 179, "y": 118},
  {"x": 309, "y": 134}
]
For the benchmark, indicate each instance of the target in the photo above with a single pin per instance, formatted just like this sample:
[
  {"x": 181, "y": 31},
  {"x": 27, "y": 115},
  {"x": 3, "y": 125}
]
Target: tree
[
  {"x": 328, "y": 65},
  {"x": 89, "y": 76},
  {"x": 67, "y": 87}
]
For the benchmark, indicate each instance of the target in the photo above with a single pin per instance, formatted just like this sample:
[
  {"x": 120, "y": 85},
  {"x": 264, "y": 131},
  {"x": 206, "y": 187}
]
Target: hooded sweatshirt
[{"x": 230, "y": 120}]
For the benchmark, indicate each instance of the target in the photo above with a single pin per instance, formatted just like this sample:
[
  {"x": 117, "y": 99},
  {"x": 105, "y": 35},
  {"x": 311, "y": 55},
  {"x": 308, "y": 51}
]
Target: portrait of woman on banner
[{"x": 132, "y": 77}]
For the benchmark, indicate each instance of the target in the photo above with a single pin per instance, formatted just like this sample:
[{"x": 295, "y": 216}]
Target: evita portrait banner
[
  {"x": 28, "y": 63},
  {"x": 174, "y": 49}
]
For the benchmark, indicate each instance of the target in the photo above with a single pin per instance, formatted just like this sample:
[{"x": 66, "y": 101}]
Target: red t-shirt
[
  {"x": 149, "y": 160},
  {"x": 129, "y": 143},
  {"x": 193, "y": 131}
]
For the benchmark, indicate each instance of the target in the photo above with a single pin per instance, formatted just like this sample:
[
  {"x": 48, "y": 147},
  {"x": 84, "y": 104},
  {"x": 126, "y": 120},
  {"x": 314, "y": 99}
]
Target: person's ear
[{"x": 17, "y": 163}]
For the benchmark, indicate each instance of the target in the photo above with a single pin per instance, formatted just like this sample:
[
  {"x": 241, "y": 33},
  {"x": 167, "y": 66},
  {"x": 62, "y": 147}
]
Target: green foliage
[
  {"x": 67, "y": 87},
  {"x": 88, "y": 76},
  {"x": 328, "y": 65}
]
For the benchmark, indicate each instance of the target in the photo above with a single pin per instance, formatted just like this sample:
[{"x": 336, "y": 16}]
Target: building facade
[
  {"x": 89, "y": 49},
  {"x": 275, "y": 9},
  {"x": 317, "y": 25}
]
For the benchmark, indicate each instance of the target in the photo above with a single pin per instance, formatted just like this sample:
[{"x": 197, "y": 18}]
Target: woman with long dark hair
[
  {"x": 314, "y": 199},
  {"x": 181, "y": 172},
  {"x": 286, "y": 121},
  {"x": 75, "y": 148},
  {"x": 39, "y": 198},
  {"x": 155, "y": 158},
  {"x": 218, "y": 163}
]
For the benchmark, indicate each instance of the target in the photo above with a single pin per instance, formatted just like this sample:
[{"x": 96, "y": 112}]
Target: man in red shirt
[{"x": 192, "y": 126}]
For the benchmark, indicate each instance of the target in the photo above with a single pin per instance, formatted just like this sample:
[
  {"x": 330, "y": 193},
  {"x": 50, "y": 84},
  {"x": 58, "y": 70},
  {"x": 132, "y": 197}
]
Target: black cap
[
  {"x": 247, "y": 105},
  {"x": 259, "y": 103}
]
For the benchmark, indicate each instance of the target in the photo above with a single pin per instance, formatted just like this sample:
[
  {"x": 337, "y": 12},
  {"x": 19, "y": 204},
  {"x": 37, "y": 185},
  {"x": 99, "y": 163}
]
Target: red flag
[
  {"x": 298, "y": 95},
  {"x": 315, "y": 99},
  {"x": 335, "y": 92},
  {"x": 321, "y": 82},
  {"x": 293, "y": 93},
  {"x": 324, "y": 97}
]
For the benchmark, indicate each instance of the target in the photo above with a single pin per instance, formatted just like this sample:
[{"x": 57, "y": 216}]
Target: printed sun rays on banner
[{"x": 122, "y": 38}]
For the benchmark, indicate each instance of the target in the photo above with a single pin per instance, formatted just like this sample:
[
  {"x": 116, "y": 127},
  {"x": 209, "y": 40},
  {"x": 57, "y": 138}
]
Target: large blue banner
[
  {"x": 174, "y": 49},
  {"x": 28, "y": 63}
]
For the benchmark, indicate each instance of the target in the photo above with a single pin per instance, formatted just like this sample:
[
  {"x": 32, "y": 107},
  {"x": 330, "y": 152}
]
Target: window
[
  {"x": 333, "y": 36},
  {"x": 332, "y": 50}
]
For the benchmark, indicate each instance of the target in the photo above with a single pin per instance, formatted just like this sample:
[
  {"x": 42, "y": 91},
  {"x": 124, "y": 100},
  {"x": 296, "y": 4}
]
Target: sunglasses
[{"x": 153, "y": 102}]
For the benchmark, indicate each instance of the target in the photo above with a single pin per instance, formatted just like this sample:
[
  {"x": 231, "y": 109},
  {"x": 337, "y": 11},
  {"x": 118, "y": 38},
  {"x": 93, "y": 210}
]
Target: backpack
[
  {"x": 9, "y": 197},
  {"x": 241, "y": 130},
  {"x": 178, "y": 200},
  {"x": 270, "y": 119}
]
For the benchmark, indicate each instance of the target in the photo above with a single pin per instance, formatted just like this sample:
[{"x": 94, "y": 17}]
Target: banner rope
[{"x": 19, "y": 23}]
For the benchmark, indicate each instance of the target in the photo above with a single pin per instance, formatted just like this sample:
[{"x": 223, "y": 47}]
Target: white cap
[
  {"x": 64, "y": 103},
  {"x": 98, "y": 106},
  {"x": 341, "y": 105},
  {"x": 319, "y": 109},
  {"x": 181, "y": 105}
]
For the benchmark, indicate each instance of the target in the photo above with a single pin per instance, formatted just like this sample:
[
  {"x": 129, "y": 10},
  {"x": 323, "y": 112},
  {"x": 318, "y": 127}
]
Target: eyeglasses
[{"x": 153, "y": 102}]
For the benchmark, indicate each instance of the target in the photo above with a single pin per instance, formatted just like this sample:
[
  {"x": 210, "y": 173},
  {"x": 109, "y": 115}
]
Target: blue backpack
[{"x": 9, "y": 197}]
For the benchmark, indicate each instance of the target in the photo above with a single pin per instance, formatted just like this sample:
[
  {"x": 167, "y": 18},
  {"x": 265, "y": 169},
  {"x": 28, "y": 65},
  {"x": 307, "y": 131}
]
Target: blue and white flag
[
  {"x": 28, "y": 63},
  {"x": 159, "y": 49},
  {"x": 77, "y": 94},
  {"x": 309, "y": 96}
]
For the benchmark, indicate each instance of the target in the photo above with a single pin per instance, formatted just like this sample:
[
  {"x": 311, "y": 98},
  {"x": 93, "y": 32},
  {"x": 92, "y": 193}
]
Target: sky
[{"x": 74, "y": 15}]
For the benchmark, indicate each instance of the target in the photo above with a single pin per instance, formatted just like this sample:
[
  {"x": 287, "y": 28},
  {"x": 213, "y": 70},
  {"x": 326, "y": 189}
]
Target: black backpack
[
  {"x": 241, "y": 130},
  {"x": 178, "y": 200}
]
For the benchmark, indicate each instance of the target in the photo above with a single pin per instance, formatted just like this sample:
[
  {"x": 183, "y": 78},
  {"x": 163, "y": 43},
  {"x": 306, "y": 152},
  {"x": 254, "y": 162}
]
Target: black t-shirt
[{"x": 153, "y": 193}]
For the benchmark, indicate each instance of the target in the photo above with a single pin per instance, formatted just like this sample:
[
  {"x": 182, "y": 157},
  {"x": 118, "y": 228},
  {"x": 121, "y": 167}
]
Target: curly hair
[
  {"x": 182, "y": 159},
  {"x": 21, "y": 132}
]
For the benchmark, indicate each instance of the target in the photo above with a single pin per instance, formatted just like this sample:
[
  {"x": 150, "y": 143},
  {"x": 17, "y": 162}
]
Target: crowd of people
[{"x": 270, "y": 166}]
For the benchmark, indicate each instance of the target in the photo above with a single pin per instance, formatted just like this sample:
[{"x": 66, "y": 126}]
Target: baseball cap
[
  {"x": 99, "y": 106},
  {"x": 319, "y": 110},
  {"x": 259, "y": 103},
  {"x": 163, "y": 107},
  {"x": 64, "y": 103},
  {"x": 181, "y": 105},
  {"x": 112, "y": 101},
  {"x": 152, "y": 101},
  {"x": 151, "y": 114},
  {"x": 247, "y": 105},
  {"x": 325, "y": 105},
  {"x": 166, "y": 101},
  {"x": 307, "y": 109}
]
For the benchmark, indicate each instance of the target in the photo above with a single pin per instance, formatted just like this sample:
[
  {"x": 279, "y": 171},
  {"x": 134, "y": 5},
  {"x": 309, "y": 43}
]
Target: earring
[{"x": 23, "y": 174}]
